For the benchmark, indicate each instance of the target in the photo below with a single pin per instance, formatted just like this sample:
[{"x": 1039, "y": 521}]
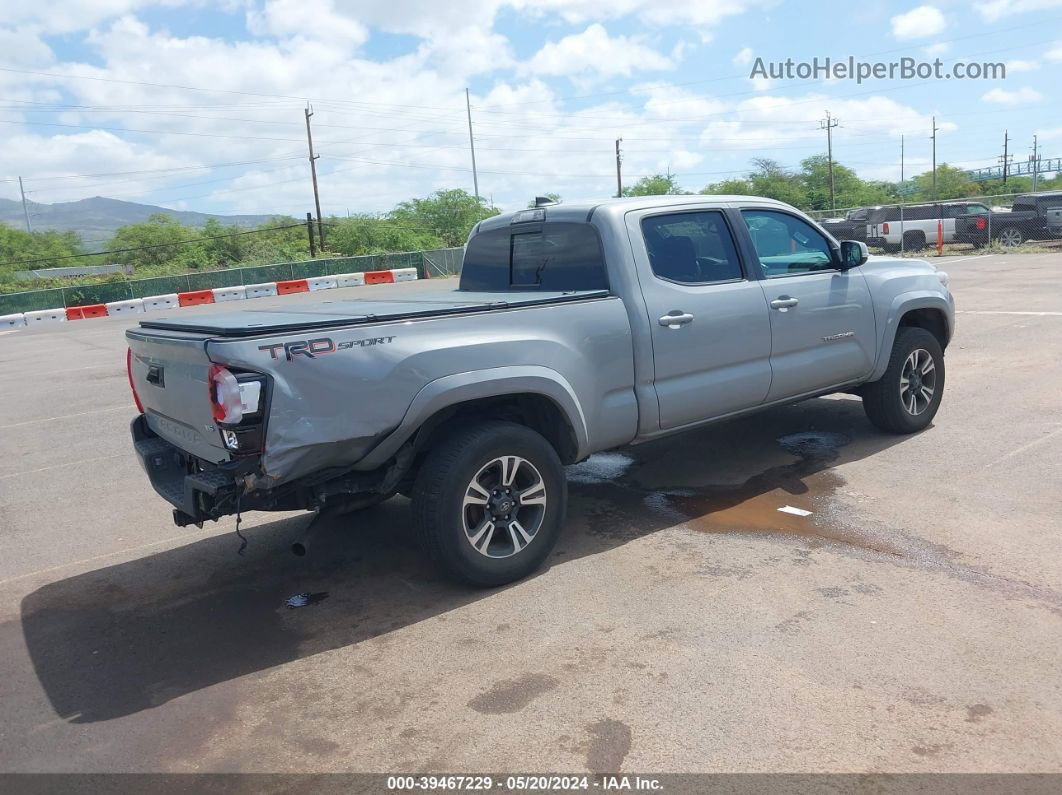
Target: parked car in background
[
  {"x": 1054, "y": 221},
  {"x": 575, "y": 329},
  {"x": 1033, "y": 216},
  {"x": 852, "y": 227},
  {"x": 912, "y": 227}
]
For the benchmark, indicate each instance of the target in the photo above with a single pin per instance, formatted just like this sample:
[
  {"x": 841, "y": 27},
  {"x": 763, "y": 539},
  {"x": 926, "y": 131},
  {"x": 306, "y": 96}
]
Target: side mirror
[{"x": 853, "y": 254}]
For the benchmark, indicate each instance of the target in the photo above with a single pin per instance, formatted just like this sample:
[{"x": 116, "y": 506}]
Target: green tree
[
  {"x": 367, "y": 234},
  {"x": 849, "y": 189},
  {"x": 772, "y": 180},
  {"x": 447, "y": 214},
  {"x": 952, "y": 183},
  {"x": 655, "y": 185},
  {"x": 159, "y": 241},
  {"x": 50, "y": 248},
  {"x": 728, "y": 187}
]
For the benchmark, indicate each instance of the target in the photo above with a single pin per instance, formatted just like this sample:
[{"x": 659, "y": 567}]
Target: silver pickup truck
[{"x": 574, "y": 329}]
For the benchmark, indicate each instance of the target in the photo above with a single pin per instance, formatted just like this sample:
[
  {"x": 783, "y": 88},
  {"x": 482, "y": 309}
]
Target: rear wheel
[
  {"x": 489, "y": 501},
  {"x": 906, "y": 398},
  {"x": 1010, "y": 236}
]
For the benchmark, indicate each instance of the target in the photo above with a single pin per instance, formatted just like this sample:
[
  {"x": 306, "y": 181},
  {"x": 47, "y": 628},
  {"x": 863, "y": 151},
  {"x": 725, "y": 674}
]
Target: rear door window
[
  {"x": 544, "y": 256},
  {"x": 691, "y": 248}
]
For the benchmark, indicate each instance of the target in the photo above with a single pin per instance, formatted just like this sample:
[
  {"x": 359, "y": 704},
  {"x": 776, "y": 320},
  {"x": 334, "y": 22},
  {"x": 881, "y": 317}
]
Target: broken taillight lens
[{"x": 226, "y": 405}]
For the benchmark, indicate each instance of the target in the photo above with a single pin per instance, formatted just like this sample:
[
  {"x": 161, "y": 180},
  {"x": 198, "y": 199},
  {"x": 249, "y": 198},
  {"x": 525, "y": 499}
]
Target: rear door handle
[
  {"x": 676, "y": 319},
  {"x": 783, "y": 303}
]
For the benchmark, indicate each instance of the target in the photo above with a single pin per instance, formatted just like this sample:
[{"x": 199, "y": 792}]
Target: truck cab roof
[{"x": 582, "y": 212}]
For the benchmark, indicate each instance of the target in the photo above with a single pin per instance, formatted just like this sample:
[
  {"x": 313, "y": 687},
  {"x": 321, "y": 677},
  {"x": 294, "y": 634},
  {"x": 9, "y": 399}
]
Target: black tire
[
  {"x": 885, "y": 402},
  {"x": 445, "y": 522},
  {"x": 914, "y": 241},
  {"x": 1010, "y": 236}
]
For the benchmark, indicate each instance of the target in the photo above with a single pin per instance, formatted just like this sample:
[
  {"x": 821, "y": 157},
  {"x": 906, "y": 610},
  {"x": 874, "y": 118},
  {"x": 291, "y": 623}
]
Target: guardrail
[{"x": 226, "y": 284}]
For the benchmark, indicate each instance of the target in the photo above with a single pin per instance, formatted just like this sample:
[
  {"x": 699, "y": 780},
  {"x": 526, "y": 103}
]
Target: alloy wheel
[
  {"x": 918, "y": 381},
  {"x": 503, "y": 507}
]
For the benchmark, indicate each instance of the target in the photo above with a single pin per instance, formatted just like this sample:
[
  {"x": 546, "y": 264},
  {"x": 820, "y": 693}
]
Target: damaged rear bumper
[{"x": 197, "y": 489}]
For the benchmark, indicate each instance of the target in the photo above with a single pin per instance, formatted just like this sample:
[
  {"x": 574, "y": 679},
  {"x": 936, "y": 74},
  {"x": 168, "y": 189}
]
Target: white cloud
[
  {"x": 1022, "y": 66},
  {"x": 1021, "y": 96},
  {"x": 23, "y": 47},
  {"x": 698, "y": 13},
  {"x": 918, "y": 23},
  {"x": 939, "y": 48},
  {"x": 743, "y": 57},
  {"x": 595, "y": 53},
  {"x": 994, "y": 10},
  {"x": 312, "y": 19},
  {"x": 1054, "y": 54}
]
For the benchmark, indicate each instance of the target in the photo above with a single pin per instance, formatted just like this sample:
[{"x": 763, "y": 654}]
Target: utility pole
[
  {"x": 1006, "y": 159},
  {"x": 472, "y": 145},
  {"x": 934, "y": 137},
  {"x": 25, "y": 211},
  {"x": 309, "y": 234},
  {"x": 828, "y": 124},
  {"x": 901, "y": 193},
  {"x": 619, "y": 171},
  {"x": 313, "y": 174},
  {"x": 1034, "y": 163}
]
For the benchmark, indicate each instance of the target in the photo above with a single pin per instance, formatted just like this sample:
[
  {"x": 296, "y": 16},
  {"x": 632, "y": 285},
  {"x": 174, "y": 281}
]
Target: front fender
[
  {"x": 901, "y": 304},
  {"x": 451, "y": 390}
]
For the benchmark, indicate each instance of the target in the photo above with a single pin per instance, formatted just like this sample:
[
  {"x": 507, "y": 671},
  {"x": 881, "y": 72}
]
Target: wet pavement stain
[
  {"x": 610, "y": 742},
  {"x": 623, "y": 509},
  {"x": 512, "y": 695}
]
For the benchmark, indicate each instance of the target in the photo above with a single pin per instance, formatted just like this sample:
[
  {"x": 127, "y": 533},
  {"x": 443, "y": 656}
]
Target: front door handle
[
  {"x": 784, "y": 302},
  {"x": 676, "y": 319}
]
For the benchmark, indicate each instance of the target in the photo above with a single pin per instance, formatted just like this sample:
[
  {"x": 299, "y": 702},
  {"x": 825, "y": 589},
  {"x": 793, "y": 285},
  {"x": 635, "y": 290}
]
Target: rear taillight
[
  {"x": 981, "y": 223},
  {"x": 226, "y": 406},
  {"x": 129, "y": 374},
  {"x": 885, "y": 229}
]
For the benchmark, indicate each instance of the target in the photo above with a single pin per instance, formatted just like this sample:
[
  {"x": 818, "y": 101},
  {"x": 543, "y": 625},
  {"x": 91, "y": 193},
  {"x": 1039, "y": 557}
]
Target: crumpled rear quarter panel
[{"x": 334, "y": 407}]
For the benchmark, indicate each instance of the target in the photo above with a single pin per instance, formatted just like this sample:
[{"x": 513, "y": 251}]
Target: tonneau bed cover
[{"x": 330, "y": 314}]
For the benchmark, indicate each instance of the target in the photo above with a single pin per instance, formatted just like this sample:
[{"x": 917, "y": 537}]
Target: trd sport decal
[{"x": 311, "y": 349}]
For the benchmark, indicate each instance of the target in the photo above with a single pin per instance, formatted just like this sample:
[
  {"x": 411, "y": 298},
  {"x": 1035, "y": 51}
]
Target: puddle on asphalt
[
  {"x": 753, "y": 506},
  {"x": 626, "y": 510}
]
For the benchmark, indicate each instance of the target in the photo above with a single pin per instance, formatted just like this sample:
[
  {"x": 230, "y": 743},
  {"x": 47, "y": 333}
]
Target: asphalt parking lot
[{"x": 912, "y": 622}]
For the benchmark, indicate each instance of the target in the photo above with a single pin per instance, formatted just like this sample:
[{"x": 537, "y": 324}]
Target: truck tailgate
[{"x": 169, "y": 371}]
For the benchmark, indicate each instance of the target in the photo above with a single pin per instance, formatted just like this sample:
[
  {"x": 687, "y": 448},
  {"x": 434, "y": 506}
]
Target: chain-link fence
[
  {"x": 996, "y": 202},
  {"x": 1004, "y": 219},
  {"x": 440, "y": 262}
]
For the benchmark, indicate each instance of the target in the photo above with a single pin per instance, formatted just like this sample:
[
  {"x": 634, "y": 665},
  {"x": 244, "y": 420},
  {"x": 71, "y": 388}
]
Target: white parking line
[
  {"x": 1023, "y": 448},
  {"x": 61, "y": 466},
  {"x": 64, "y": 417}
]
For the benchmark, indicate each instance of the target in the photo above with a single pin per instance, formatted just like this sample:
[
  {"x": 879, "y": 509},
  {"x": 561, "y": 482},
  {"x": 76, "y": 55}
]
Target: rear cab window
[{"x": 545, "y": 256}]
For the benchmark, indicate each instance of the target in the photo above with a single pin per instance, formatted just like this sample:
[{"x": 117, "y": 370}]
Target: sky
[{"x": 198, "y": 104}]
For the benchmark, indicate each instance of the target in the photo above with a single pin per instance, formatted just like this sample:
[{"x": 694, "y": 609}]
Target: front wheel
[
  {"x": 489, "y": 501},
  {"x": 906, "y": 398}
]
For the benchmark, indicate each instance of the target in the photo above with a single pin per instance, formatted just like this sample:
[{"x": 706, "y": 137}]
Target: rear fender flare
[{"x": 452, "y": 390}]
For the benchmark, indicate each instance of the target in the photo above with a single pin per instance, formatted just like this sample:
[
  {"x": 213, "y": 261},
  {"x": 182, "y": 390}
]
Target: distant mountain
[{"x": 98, "y": 218}]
